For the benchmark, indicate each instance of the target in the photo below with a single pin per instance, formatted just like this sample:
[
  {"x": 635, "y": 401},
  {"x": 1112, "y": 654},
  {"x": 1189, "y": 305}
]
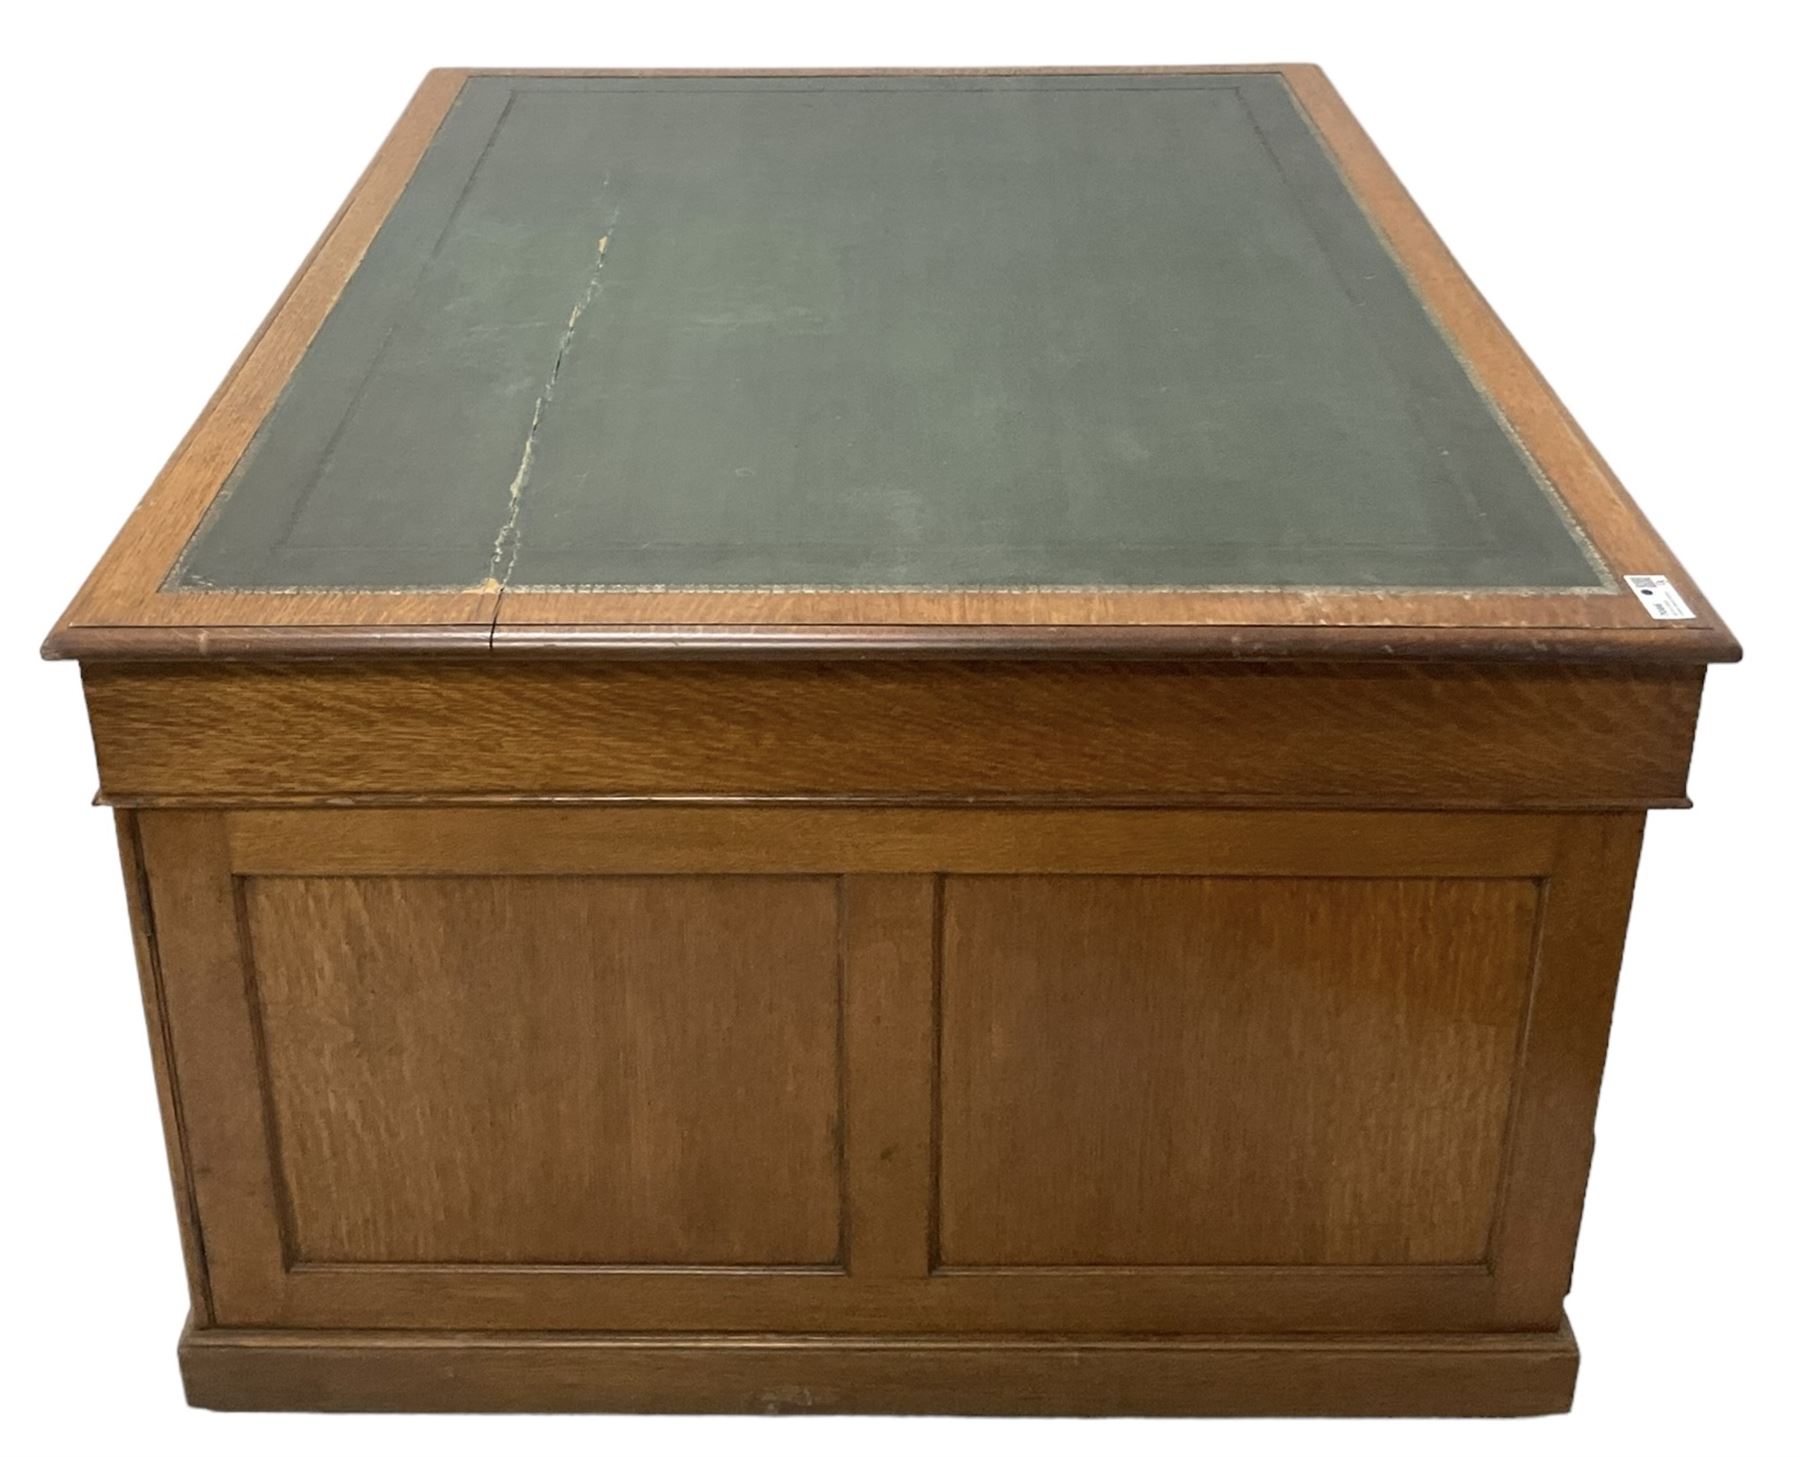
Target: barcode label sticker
[{"x": 1659, "y": 598}]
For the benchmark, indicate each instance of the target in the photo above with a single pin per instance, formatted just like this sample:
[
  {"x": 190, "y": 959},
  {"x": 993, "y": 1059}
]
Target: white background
[{"x": 1617, "y": 178}]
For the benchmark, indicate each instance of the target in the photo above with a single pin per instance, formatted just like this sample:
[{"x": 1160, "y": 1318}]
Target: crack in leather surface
[{"x": 506, "y": 540}]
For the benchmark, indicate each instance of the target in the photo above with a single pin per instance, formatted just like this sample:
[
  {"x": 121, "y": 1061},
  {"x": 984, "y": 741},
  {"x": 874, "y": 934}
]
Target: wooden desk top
[{"x": 999, "y": 363}]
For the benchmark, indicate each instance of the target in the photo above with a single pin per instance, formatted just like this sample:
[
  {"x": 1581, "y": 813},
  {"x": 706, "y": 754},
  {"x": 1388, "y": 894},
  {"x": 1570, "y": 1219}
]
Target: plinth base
[{"x": 1491, "y": 1374}]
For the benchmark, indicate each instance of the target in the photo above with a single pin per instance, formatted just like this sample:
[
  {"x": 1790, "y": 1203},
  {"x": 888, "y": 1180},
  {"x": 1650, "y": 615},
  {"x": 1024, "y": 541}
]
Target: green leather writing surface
[{"x": 981, "y": 331}]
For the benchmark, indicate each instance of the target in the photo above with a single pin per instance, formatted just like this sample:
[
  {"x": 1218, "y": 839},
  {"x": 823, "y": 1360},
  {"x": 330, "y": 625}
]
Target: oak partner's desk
[{"x": 883, "y": 742}]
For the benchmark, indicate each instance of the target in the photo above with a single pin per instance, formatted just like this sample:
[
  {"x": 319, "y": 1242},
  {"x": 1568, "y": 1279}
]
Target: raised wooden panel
[
  {"x": 570, "y": 1070},
  {"x": 882, "y": 1068},
  {"x": 1193, "y": 1071}
]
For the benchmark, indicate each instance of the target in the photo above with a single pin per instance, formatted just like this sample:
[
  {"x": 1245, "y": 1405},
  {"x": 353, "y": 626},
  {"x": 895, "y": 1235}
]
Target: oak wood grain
[
  {"x": 565, "y": 1071},
  {"x": 890, "y": 1042},
  {"x": 1413, "y": 1375},
  {"x": 1342, "y": 734},
  {"x": 310, "y": 1045},
  {"x": 1144, "y": 1071},
  {"x": 1586, "y": 907},
  {"x": 881, "y": 842},
  {"x": 162, "y": 1062},
  {"x": 216, "y": 1063},
  {"x": 796, "y": 1299}
]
